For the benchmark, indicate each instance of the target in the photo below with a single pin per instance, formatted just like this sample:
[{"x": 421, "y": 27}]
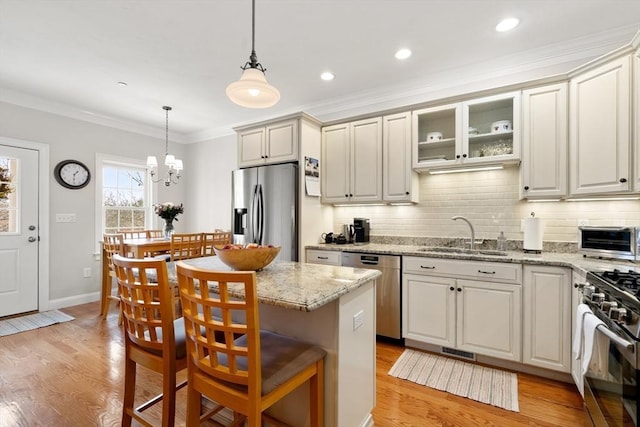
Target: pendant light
[
  {"x": 175, "y": 165},
  {"x": 252, "y": 90}
]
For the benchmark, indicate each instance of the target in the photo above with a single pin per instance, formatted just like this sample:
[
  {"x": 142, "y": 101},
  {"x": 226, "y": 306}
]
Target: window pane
[
  {"x": 124, "y": 198},
  {"x": 9, "y": 193}
]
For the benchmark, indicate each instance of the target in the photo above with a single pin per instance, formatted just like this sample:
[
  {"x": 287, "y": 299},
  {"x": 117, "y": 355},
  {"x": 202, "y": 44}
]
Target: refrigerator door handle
[
  {"x": 253, "y": 219},
  {"x": 260, "y": 214}
]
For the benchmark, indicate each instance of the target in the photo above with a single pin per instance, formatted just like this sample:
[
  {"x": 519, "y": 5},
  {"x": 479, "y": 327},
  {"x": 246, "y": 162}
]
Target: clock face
[{"x": 72, "y": 174}]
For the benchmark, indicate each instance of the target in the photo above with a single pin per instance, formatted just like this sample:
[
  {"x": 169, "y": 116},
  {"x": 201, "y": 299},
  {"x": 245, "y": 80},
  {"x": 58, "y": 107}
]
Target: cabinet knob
[
  {"x": 623, "y": 180},
  {"x": 464, "y": 155},
  {"x": 457, "y": 156},
  {"x": 346, "y": 195},
  {"x": 526, "y": 188},
  {"x": 350, "y": 195},
  {"x": 459, "y": 289},
  {"x": 452, "y": 288},
  {"x": 406, "y": 192}
]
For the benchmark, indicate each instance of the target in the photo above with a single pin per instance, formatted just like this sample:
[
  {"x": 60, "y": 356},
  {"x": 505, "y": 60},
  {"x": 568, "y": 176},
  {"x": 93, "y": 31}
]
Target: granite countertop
[
  {"x": 293, "y": 285},
  {"x": 574, "y": 261}
]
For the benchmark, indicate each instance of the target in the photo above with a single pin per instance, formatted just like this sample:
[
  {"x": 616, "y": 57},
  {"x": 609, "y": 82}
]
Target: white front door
[{"x": 19, "y": 238}]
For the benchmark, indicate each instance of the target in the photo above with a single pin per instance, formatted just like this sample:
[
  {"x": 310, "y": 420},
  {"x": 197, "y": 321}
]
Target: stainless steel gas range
[{"x": 611, "y": 397}]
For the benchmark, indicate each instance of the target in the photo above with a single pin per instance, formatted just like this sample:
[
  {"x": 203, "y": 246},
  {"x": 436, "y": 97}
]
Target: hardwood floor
[{"x": 71, "y": 374}]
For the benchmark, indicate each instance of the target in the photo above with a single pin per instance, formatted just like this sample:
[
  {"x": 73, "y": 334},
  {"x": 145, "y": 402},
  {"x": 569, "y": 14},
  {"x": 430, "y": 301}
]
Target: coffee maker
[{"x": 361, "y": 231}]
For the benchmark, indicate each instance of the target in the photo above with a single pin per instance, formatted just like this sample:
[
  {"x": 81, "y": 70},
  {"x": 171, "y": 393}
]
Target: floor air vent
[{"x": 458, "y": 353}]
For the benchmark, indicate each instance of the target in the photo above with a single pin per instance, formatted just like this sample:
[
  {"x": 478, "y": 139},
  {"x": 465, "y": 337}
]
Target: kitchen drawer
[
  {"x": 324, "y": 257},
  {"x": 479, "y": 270}
]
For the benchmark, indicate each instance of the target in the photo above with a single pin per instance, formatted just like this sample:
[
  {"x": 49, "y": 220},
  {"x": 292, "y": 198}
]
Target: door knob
[
  {"x": 32, "y": 227},
  {"x": 32, "y": 239}
]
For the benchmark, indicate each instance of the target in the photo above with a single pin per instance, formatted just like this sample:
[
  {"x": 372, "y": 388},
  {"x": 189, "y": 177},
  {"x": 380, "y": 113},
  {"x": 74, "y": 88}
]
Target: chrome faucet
[{"x": 473, "y": 232}]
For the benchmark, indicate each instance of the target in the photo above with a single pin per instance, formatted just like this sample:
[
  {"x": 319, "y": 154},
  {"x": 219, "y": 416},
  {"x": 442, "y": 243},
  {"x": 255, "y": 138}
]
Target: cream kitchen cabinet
[
  {"x": 399, "y": 181},
  {"x": 315, "y": 256},
  {"x": 545, "y": 138},
  {"x": 636, "y": 113},
  {"x": 472, "y": 306},
  {"x": 273, "y": 143},
  {"x": 547, "y": 317},
  {"x": 351, "y": 162},
  {"x": 463, "y": 134},
  {"x": 578, "y": 280},
  {"x": 599, "y": 129}
]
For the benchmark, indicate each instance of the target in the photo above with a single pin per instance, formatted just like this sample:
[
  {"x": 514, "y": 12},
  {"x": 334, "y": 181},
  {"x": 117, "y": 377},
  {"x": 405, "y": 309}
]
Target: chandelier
[
  {"x": 174, "y": 165},
  {"x": 252, "y": 90}
]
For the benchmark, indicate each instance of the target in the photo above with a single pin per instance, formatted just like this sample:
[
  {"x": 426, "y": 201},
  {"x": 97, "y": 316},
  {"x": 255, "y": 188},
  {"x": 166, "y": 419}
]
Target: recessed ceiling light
[
  {"x": 123, "y": 84},
  {"x": 403, "y": 54},
  {"x": 327, "y": 76},
  {"x": 507, "y": 24}
]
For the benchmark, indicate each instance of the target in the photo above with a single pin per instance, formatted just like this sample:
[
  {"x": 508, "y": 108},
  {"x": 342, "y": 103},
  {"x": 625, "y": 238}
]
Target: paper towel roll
[{"x": 533, "y": 231}]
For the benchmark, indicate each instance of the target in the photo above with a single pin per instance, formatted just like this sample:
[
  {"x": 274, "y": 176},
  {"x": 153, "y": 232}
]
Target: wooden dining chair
[
  {"x": 217, "y": 238},
  {"x": 153, "y": 338},
  {"x": 112, "y": 244},
  {"x": 232, "y": 361},
  {"x": 186, "y": 246},
  {"x": 154, "y": 234},
  {"x": 133, "y": 234}
]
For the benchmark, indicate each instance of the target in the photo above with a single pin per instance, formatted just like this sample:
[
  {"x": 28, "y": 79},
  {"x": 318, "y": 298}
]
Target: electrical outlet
[
  {"x": 358, "y": 320},
  {"x": 66, "y": 217},
  {"x": 86, "y": 272}
]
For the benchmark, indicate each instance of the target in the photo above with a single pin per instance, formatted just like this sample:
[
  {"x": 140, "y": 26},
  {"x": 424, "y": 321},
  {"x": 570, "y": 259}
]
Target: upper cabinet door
[
  {"x": 282, "y": 142},
  {"x": 251, "y": 147},
  {"x": 334, "y": 163},
  {"x": 399, "y": 181},
  {"x": 491, "y": 129},
  {"x": 366, "y": 160},
  {"x": 544, "y": 141},
  {"x": 599, "y": 129}
]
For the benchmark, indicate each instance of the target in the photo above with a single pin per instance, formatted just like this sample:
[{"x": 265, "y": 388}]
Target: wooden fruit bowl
[{"x": 247, "y": 259}]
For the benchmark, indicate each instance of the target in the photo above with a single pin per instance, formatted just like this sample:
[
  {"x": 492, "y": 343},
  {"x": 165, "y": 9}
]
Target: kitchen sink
[{"x": 463, "y": 251}]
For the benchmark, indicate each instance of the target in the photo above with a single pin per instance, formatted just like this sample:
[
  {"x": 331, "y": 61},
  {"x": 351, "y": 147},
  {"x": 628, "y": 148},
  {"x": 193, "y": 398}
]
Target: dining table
[{"x": 137, "y": 247}]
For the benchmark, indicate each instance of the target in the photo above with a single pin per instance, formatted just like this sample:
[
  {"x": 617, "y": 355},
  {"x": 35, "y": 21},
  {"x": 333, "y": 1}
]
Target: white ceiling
[{"x": 66, "y": 56}]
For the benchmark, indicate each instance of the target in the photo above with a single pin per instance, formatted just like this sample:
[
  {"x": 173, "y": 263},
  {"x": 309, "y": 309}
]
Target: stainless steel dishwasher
[{"x": 388, "y": 290}]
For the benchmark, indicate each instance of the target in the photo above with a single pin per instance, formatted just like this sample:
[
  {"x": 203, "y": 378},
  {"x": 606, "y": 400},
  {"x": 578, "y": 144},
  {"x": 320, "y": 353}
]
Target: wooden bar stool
[
  {"x": 153, "y": 338},
  {"x": 246, "y": 374},
  {"x": 112, "y": 244},
  {"x": 217, "y": 238}
]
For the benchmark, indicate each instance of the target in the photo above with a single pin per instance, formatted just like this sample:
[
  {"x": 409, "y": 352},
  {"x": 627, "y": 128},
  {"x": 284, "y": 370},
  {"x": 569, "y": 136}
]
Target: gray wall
[{"x": 72, "y": 245}]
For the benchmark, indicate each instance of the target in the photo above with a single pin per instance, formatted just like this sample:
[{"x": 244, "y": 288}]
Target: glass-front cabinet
[{"x": 469, "y": 133}]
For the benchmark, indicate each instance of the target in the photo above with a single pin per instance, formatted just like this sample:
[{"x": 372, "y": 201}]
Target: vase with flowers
[{"x": 168, "y": 211}]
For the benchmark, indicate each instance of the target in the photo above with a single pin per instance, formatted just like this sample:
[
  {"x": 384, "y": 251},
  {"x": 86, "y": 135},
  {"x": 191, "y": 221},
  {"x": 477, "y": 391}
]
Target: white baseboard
[{"x": 71, "y": 301}]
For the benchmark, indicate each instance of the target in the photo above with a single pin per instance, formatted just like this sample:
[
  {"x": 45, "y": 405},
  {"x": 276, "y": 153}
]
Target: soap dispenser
[{"x": 502, "y": 242}]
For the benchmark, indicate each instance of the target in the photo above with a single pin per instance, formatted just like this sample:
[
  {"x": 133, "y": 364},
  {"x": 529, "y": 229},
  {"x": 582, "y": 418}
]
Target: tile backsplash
[{"x": 490, "y": 200}]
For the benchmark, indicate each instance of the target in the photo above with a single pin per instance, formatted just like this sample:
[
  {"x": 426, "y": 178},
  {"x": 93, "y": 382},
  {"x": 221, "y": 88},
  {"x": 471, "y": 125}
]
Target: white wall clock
[{"x": 72, "y": 174}]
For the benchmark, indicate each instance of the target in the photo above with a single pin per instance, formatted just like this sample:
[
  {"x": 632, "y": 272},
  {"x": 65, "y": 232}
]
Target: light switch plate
[
  {"x": 358, "y": 320},
  {"x": 65, "y": 217}
]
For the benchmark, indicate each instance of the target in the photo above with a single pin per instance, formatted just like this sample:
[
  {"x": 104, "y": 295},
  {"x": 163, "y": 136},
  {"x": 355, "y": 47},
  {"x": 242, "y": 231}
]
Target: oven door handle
[{"x": 615, "y": 338}]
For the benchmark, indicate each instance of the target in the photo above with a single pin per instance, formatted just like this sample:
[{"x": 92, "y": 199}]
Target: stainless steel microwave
[{"x": 610, "y": 242}]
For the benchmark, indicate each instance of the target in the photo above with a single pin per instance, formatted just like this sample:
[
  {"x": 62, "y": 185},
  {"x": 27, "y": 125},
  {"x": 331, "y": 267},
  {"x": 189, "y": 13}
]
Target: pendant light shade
[{"x": 252, "y": 90}]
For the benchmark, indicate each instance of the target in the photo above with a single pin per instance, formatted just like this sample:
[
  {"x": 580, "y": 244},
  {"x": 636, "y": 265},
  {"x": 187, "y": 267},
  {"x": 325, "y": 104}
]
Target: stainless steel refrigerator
[{"x": 265, "y": 207}]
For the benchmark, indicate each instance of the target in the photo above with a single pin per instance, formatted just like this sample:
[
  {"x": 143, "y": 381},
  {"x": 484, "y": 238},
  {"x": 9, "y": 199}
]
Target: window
[
  {"x": 8, "y": 190},
  {"x": 124, "y": 195}
]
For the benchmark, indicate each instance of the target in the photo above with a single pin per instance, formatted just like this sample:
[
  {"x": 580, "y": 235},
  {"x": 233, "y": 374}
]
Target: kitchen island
[{"x": 333, "y": 307}]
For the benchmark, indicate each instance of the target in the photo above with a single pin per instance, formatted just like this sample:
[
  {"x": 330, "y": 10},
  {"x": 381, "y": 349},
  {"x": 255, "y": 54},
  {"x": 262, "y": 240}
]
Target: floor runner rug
[
  {"x": 32, "y": 321},
  {"x": 486, "y": 385}
]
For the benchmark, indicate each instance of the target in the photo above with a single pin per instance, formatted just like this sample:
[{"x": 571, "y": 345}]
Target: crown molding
[
  {"x": 66, "y": 110},
  {"x": 555, "y": 59}
]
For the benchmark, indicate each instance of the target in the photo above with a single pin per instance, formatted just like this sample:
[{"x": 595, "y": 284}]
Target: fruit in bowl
[{"x": 252, "y": 257}]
